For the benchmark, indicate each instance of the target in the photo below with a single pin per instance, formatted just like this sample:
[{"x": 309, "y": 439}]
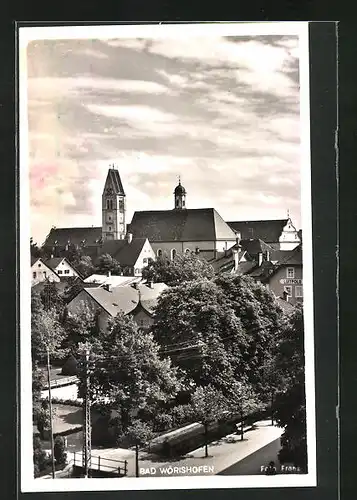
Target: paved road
[{"x": 252, "y": 463}]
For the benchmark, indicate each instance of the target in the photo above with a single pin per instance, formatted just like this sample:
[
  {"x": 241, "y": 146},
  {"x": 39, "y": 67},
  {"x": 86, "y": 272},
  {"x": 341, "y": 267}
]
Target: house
[
  {"x": 280, "y": 234},
  {"x": 62, "y": 267},
  {"x": 138, "y": 300},
  {"x": 182, "y": 230},
  {"x": 283, "y": 274},
  {"x": 111, "y": 280},
  {"x": 133, "y": 254},
  {"x": 41, "y": 272}
]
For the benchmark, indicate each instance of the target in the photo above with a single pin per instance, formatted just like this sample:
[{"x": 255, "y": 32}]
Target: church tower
[
  {"x": 113, "y": 207},
  {"x": 180, "y": 196}
]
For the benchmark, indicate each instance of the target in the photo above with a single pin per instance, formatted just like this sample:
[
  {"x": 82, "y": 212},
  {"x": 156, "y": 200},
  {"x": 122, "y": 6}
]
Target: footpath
[{"x": 223, "y": 453}]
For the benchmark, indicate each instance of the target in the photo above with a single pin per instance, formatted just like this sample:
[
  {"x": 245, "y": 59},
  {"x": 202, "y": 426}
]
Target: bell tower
[
  {"x": 180, "y": 196},
  {"x": 113, "y": 207}
]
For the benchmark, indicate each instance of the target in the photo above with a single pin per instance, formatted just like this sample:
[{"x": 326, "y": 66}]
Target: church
[{"x": 181, "y": 230}]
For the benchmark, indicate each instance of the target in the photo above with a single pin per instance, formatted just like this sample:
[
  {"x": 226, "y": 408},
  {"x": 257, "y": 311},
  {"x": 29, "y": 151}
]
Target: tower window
[
  {"x": 187, "y": 251},
  {"x": 110, "y": 228},
  {"x": 173, "y": 254},
  {"x": 159, "y": 252}
]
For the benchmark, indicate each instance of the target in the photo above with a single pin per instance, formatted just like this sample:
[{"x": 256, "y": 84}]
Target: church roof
[
  {"x": 124, "y": 252},
  {"x": 266, "y": 230},
  {"x": 255, "y": 246},
  {"x": 114, "y": 179},
  {"x": 201, "y": 224},
  {"x": 75, "y": 235}
]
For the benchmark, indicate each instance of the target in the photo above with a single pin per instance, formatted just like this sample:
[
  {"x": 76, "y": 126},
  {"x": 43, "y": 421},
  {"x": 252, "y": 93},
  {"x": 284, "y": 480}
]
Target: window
[
  {"x": 159, "y": 252},
  {"x": 66, "y": 271},
  {"x": 44, "y": 274},
  {"x": 187, "y": 251},
  {"x": 34, "y": 274},
  {"x": 299, "y": 291},
  {"x": 109, "y": 218},
  {"x": 39, "y": 265},
  {"x": 59, "y": 272},
  {"x": 145, "y": 260},
  {"x": 288, "y": 290},
  {"x": 107, "y": 204},
  {"x": 110, "y": 228},
  {"x": 290, "y": 272},
  {"x": 173, "y": 254}
]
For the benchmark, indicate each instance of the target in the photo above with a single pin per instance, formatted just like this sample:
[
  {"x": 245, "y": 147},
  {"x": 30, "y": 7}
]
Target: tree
[
  {"x": 79, "y": 328},
  {"x": 242, "y": 401},
  {"x": 139, "y": 433},
  {"x": 105, "y": 263},
  {"x": 290, "y": 402},
  {"x": 51, "y": 297},
  {"x": 261, "y": 320},
  {"x": 40, "y": 459},
  {"x": 208, "y": 405},
  {"x": 129, "y": 372},
  {"x": 200, "y": 331},
  {"x": 182, "y": 268},
  {"x": 60, "y": 451},
  {"x": 84, "y": 266},
  {"x": 34, "y": 249}
]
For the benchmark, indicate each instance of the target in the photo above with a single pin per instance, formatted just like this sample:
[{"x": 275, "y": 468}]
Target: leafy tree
[
  {"x": 130, "y": 373},
  {"x": 196, "y": 318},
  {"x": 34, "y": 249},
  {"x": 51, "y": 297},
  {"x": 105, "y": 263},
  {"x": 208, "y": 405},
  {"x": 73, "y": 286},
  {"x": 40, "y": 459},
  {"x": 241, "y": 401},
  {"x": 79, "y": 328},
  {"x": 139, "y": 433},
  {"x": 60, "y": 451},
  {"x": 261, "y": 320},
  {"x": 182, "y": 268},
  {"x": 74, "y": 254},
  {"x": 84, "y": 266},
  {"x": 290, "y": 403}
]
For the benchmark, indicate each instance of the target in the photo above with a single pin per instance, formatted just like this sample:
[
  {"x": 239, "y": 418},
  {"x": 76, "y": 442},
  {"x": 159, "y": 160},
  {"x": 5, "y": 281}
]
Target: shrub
[
  {"x": 60, "y": 451},
  {"x": 40, "y": 458}
]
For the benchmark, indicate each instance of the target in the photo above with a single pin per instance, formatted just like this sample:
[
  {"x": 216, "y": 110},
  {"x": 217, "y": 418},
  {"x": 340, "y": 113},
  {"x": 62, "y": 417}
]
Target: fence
[{"x": 101, "y": 465}]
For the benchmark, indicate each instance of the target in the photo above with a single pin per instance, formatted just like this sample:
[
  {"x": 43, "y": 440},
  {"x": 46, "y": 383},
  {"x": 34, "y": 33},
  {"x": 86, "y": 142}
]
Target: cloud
[{"x": 222, "y": 112}]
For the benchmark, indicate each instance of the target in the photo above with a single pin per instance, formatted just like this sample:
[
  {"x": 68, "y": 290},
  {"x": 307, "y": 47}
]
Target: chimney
[
  {"x": 150, "y": 284},
  {"x": 267, "y": 256},
  {"x": 52, "y": 256},
  {"x": 129, "y": 237},
  {"x": 238, "y": 238},
  {"x": 107, "y": 287},
  {"x": 260, "y": 259},
  {"x": 197, "y": 251},
  {"x": 135, "y": 285},
  {"x": 109, "y": 274}
]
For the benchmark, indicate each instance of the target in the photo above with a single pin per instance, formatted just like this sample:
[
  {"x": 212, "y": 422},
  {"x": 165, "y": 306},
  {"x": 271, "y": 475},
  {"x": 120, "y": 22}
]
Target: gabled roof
[
  {"x": 266, "y": 230},
  {"x": 54, "y": 262},
  {"x": 88, "y": 236},
  {"x": 287, "y": 257},
  {"x": 113, "y": 179},
  {"x": 124, "y": 252},
  {"x": 202, "y": 224},
  {"x": 34, "y": 260},
  {"x": 126, "y": 298},
  {"x": 104, "y": 279},
  {"x": 255, "y": 246}
]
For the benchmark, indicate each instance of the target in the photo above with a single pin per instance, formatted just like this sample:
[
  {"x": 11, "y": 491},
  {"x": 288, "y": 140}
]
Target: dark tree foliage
[
  {"x": 72, "y": 289},
  {"x": 79, "y": 328},
  {"x": 51, "y": 297},
  {"x": 60, "y": 451},
  {"x": 201, "y": 333},
  {"x": 289, "y": 403},
  {"x": 182, "y": 268},
  {"x": 129, "y": 372},
  {"x": 40, "y": 459},
  {"x": 105, "y": 263},
  {"x": 35, "y": 249}
]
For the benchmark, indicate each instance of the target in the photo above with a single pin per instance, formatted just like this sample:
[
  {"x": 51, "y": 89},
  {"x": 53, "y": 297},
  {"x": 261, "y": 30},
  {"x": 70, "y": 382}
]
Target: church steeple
[
  {"x": 113, "y": 207},
  {"x": 180, "y": 196}
]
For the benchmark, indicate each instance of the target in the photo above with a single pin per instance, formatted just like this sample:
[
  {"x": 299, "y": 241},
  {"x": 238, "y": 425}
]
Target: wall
[
  {"x": 142, "y": 318},
  {"x": 64, "y": 269},
  {"x": 278, "y": 288},
  {"x": 146, "y": 253},
  {"x": 42, "y": 273},
  {"x": 65, "y": 392},
  {"x": 208, "y": 247}
]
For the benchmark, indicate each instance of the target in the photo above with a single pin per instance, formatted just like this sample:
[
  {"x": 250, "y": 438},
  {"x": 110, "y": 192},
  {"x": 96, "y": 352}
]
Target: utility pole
[
  {"x": 48, "y": 306},
  {"x": 87, "y": 418},
  {"x": 51, "y": 419}
]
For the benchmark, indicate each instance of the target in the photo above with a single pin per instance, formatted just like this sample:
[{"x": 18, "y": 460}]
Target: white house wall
[{"x": 42, "y": 273}]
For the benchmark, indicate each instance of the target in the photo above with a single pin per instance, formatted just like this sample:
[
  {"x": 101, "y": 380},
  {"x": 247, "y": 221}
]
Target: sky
[{"x": 221, "y": 112}]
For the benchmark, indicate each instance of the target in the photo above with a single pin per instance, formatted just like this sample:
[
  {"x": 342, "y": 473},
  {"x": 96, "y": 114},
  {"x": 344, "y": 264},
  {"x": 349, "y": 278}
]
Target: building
[
  {"x": 113, "y": 207},
  {"x": 133, "y": 254},
  {"x": 41, "y": 272},
  {"x": 138, "y": 300},
  {"x": 62, "y": 267},
  {"x": 111, "y": 280},
  {"x": 60, "y": 241},
  {"x": 279, "y": 234}
]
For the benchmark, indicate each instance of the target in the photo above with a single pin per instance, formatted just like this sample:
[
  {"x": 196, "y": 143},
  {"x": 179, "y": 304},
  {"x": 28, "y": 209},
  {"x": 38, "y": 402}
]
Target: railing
[
  {"x": 101, "y": 464},
  {"x": 73, "y": 379}
]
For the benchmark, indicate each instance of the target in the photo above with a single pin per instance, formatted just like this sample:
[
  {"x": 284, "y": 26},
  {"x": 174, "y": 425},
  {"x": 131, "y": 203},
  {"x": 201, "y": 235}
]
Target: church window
[
  {"x": 159, "y": 252},
  {"x": 110, "y": 228},
  {"x": 34, "y": 274},
  {"x": 290, "y": 272},
  {"x": 121, "y": 205},
  {"x": 173, "y": 254},
  {"x": 187, "y": 251},
  {"x": 107, "y": 204},
  {"x": 298, "y": 292}
]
